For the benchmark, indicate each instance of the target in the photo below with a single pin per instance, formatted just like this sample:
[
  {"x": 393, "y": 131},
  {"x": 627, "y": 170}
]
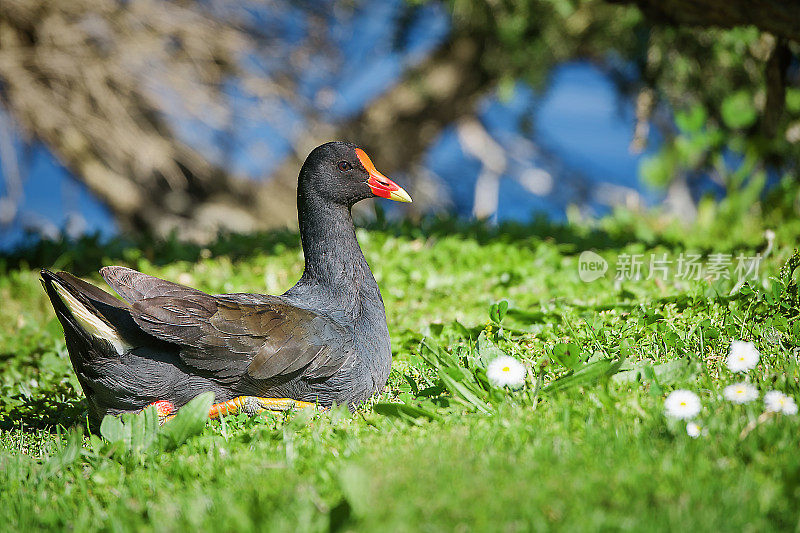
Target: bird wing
[
  {"x": 228, "y": 336},
  {"x": 133, "y": 286}
]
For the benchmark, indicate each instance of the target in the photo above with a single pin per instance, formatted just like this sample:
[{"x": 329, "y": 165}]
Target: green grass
[{"x": 583, "y": 445}]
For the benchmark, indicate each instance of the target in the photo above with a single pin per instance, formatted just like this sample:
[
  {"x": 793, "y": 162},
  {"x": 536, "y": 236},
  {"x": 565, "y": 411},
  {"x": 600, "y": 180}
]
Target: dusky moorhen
[{"x": 323, "y": 341}]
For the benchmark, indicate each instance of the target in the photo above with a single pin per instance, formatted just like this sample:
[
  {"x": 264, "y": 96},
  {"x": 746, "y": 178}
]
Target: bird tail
[{"x": 86, "y": 313}]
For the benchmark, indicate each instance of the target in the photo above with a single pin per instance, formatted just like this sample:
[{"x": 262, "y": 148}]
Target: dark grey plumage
[{"x": 325, "y": 340}]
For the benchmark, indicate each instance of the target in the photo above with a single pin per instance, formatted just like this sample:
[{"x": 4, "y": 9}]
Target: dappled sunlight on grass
[{"x": 582, "y": 443}]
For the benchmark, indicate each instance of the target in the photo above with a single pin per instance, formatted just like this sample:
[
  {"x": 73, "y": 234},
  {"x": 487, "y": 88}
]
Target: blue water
[
  {"x": 585, "y": 122},
  {"x": 578, "y": 131},
  {"x": 51, "y": 200},
  {"x": 581, "y": 132}
]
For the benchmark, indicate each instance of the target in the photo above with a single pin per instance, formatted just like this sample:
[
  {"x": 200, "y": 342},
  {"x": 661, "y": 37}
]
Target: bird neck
[
  {"x": 333, "y": 257},
  {"x": 338, "y": 281}
]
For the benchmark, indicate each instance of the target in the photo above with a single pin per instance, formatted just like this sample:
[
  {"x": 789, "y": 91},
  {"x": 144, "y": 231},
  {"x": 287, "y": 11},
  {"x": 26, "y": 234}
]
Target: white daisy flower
[
  {"x": 506, "y": 371},
  {"x": 789, "y": 407},
  {"x": 777, "y": 402},
  {"x": 773, "y": 401},
  {"x": 694, "y": 430},
  {"x": 743, "y": 356},
  {"x": 740, "y": 393},
  {"x": 682, "y": 404}
]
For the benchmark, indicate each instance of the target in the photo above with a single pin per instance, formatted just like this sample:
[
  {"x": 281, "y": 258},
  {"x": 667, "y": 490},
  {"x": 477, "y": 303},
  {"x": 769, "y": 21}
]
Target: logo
[{"x": 591, "y": 266}]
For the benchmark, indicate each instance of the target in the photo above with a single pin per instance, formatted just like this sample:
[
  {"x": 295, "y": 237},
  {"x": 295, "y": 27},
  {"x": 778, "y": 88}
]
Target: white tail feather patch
[{"x": 91, "y": 323}]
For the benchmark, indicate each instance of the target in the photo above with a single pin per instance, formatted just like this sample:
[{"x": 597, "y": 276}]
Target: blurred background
[{"x": 187, "y": 118}]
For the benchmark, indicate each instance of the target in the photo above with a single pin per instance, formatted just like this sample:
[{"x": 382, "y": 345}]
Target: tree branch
[{"x": 779, "y": 17}]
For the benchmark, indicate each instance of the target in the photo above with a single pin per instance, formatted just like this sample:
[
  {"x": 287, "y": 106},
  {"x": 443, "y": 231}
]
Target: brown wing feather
[
  {"x": 227, "y": 336},
  {"x": 134, "y": 286}
]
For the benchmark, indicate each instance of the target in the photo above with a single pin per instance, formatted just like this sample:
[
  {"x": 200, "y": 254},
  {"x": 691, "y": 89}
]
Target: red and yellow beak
[{"x": 380, "y": 184}]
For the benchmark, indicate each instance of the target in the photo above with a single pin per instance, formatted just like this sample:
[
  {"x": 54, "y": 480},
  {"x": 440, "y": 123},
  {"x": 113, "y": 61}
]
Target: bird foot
[
  {"x": 255, "y": 404},
  {"x": 241, "y": 404},
  {"x": 165, "y": 410}
]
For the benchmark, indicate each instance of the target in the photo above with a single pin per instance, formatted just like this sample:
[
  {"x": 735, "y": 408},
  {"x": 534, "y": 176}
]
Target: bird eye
[{"x": 344, "y": 166}]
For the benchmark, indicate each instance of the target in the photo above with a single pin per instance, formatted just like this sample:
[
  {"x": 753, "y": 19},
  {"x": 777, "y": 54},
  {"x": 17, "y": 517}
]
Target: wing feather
[
  {"x": 133, "y": 286},
  {"x": 228, "y": 336}
]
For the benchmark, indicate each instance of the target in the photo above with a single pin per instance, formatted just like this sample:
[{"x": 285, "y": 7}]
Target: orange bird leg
[{"x": 255, "y": 404}]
